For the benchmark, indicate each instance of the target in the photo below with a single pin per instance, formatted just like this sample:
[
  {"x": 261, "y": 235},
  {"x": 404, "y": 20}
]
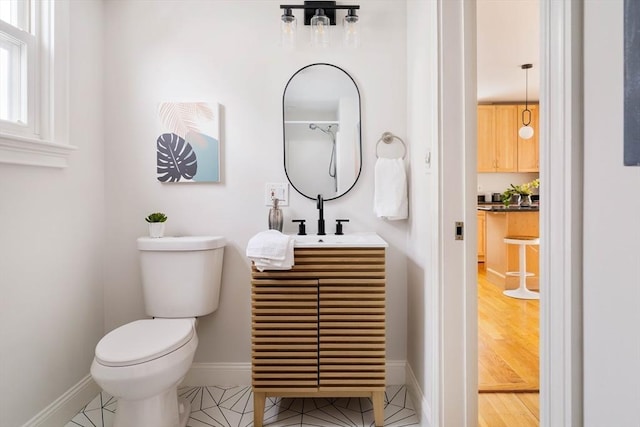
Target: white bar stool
[{"x": 522, "y": 292}]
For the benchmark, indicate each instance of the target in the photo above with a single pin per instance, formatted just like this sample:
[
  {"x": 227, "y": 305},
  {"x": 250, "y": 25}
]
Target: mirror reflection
[{"x": 322, "y": 147}]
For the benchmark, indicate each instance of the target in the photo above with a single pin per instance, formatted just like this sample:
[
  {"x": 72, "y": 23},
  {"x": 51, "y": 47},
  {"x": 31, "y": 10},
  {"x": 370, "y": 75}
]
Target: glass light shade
[
  {"x": 351, "y": 29},
  {"x": 320, "y": 35},
  {"x": 288, "y": 27},
  {"x": 526, "y": 132}
]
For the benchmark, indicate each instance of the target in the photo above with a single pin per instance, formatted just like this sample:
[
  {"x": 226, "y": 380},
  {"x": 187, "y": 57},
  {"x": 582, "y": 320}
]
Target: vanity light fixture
[
  {"x": 526, "y": 131},
  {"x": 320, "y": 15}
]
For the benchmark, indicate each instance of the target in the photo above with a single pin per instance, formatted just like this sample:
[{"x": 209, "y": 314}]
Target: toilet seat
[{"x": 143, "y": 340}]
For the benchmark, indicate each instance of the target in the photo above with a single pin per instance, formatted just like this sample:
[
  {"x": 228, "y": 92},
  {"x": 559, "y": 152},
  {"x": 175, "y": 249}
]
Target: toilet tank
[{"x": 181, "y": 276}]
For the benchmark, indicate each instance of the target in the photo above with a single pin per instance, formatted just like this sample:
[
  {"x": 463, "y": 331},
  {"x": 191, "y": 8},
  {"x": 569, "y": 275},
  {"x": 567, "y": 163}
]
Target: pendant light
[{"x": 526, "y": 131}]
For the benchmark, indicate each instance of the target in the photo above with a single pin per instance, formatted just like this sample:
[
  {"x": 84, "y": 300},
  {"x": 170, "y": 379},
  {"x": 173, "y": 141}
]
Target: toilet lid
[{"x": 143, "y": 340}]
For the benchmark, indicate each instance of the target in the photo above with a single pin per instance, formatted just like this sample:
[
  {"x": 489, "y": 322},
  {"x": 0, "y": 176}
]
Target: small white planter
[{"x": 156, "y": 229}]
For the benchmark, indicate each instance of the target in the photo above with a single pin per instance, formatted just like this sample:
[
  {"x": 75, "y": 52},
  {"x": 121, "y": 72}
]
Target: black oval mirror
[{"x": 321, "y": 128}]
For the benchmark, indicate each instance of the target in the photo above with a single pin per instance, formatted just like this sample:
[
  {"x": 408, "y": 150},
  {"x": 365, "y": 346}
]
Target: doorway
[
  {"x": 507, "y": 35},
  {"x": 560, "y": 218}
]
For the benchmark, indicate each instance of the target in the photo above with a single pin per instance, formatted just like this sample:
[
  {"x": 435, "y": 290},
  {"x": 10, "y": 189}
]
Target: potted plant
[
  {"x": 156, "y": 222},
  {"x": 522, "y": 191}
]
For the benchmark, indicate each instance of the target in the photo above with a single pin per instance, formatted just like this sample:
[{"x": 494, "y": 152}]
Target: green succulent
[{"x": 156, "y": 217}]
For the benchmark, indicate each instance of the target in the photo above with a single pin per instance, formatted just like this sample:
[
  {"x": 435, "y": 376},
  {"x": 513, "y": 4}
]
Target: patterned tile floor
[{"x": 233, "y": 407}]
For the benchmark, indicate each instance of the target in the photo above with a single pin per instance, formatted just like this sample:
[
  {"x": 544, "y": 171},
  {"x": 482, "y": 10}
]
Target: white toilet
[{"x": 142, "y": 363}]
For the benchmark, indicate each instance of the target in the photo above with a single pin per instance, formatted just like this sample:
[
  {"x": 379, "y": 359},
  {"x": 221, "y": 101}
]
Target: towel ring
[{"x": 388, "y": 138}]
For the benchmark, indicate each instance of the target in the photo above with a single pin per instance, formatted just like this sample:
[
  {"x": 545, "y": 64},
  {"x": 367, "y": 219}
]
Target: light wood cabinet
[
  {"x": 506, "y": 138},
  {"x": 529, "y": 149},
  {"x": 482, "y": 216},
  {"x": 486, "y": 138},
  {"x": 318, "y": 330},
  {"x": 500, "y": 149}
]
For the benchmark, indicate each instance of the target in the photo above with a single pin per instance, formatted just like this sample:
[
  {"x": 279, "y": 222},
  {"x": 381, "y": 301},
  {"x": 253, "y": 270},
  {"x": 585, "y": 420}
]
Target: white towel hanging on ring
[{"x": 390, "y": 189}]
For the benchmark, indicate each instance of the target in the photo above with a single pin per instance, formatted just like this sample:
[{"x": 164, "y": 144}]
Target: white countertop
[{"x": 352, "y": 240}]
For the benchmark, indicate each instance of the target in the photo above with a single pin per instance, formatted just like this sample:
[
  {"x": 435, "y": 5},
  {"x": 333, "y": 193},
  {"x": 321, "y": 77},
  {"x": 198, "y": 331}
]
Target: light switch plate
[{"x": 276, "y": 189}]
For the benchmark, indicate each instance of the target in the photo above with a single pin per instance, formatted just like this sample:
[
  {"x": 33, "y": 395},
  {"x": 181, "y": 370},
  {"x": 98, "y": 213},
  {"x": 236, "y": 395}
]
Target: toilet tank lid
[{"x": 183, "y": 243}]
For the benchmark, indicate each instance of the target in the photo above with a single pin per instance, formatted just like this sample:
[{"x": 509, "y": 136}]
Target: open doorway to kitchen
[
  {"x": 508, "y": 35},
  {"x": 454, "y": 301}
]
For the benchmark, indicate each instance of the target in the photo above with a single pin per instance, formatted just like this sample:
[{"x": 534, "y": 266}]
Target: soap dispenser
[{"x": 275, "y": 216}]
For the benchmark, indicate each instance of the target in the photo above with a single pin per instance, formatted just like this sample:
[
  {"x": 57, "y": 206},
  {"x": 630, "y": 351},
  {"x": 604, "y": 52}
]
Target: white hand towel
[
  {"x": 390, "y": 193},
  {"x": 270, "y": 244},
  {"x": 263, "y": 264},
  {"x": 271, "y": 250}
]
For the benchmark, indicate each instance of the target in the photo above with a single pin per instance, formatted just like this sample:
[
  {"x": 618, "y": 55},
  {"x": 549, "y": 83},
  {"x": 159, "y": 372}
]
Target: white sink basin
[{"x": 353, "y": 240}]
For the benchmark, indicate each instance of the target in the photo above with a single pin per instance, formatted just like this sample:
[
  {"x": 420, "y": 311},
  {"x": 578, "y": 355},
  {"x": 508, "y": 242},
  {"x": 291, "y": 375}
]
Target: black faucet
[{"x": 321, "y": 216}]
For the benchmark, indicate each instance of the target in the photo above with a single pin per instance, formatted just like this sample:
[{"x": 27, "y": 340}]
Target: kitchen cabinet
[
  {"x": 529, "y": 149},
  {"x": 497, "y": 147},
  {"x": 318, "y": 330},
  {"x": 501, "y": 257},
  {"x": 481, "y": 234},
  {"x": 500, "y": 149},
  {"x": 486, "y": 138}
]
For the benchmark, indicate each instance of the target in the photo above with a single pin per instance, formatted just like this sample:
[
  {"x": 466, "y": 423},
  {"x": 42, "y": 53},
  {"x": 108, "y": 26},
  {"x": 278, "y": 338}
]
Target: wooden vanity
[{"x": 318, "y": 330}]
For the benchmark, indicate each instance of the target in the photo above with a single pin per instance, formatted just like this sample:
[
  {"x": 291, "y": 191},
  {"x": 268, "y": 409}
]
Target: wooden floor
[
  {"x": 508, "y": 358},
  {"x": 508, "y": 331},
  {"x": 508, "y": 410}
]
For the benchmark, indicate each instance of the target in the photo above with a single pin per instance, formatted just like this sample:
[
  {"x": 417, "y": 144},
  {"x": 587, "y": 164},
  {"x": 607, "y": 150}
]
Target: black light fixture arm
[
  {"x": 527, "y": 122},
  {"x": 310, "y": 7}
]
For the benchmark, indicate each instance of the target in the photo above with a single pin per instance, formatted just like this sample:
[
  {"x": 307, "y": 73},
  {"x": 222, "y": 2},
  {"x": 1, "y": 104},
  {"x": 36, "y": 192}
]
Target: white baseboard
[
  {"x": 421, "y": 405},
  {"x": 203, "y": 374},
  {"x": 65, "y": 407},
  {"x": 396, "y": 372}
]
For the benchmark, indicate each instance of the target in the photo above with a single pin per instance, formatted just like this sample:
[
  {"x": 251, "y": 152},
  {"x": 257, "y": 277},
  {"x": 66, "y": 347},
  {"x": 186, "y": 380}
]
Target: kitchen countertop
[{"x": 499, "y": 207}]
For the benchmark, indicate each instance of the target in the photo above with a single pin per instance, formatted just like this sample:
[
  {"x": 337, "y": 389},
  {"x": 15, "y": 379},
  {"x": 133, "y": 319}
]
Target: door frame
[
  {"x": 455, "y": 368},
  {"x": 561, "y": 249}
]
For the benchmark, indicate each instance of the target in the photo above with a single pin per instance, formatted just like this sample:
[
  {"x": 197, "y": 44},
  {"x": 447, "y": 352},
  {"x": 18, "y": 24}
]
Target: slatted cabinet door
[
  {"x": 284, "y": 335},
  {"x": 352, "y": 334},
  {"x": 319, "y": 328}
]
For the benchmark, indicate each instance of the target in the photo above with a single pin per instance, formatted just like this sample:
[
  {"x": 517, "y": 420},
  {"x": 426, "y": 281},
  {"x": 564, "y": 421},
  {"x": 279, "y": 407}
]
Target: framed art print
[{"x": 188, "y": 150}]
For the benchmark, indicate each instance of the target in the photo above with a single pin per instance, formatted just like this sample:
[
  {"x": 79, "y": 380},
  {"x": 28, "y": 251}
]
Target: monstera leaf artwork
[
  {"x": 188, "y": 150},
  {"x": 176, "y": 159}
]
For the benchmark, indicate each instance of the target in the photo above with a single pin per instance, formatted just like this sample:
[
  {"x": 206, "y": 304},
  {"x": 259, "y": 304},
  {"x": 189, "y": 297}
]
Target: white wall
[
  {"x": 51, "y": 312},
  {"x": 498, "y": 182},
  {"x": 611, "y": 231},
  {"x": 422, "y": 134},
  {"x": 227, "y": 51}
]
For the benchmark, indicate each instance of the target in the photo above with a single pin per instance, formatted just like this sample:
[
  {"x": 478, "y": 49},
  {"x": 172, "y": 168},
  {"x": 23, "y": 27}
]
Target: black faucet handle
[
  {"x": 301, "y": 226},
  {"x": 339, "y": 226}
]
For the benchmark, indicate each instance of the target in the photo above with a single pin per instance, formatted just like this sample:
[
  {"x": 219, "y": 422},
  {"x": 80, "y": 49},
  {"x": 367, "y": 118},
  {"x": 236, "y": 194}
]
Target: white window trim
[{"x": 48, "y": 143}]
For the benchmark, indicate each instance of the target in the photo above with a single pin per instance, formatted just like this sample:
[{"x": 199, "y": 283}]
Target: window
[
  {"x": 16, "y": 41},
  {"x": 33, "y": 36}
]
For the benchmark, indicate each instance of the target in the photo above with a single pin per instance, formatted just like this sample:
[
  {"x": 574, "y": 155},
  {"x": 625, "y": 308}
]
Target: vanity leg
[
  {"x": 258, "y": 408},
  {"x": 378, "y": 407}
]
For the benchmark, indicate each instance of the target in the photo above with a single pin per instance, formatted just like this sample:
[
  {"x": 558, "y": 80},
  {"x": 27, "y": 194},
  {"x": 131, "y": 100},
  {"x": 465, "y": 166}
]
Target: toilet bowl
[{"x": 142, "y": 363}]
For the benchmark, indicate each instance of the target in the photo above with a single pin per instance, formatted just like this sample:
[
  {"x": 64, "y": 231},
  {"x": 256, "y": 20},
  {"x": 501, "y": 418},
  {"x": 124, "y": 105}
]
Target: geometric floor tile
[{"x": 233, "y": 407}]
